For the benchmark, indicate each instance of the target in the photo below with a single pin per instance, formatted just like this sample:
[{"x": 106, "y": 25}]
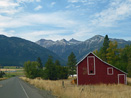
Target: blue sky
[{"x": 58, "y": 19}]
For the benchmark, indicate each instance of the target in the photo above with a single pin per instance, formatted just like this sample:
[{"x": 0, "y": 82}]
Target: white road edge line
[{"x": 24, "y": 90}]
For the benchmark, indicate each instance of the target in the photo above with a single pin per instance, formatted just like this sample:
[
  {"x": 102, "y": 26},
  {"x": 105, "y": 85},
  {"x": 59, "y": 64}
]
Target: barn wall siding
[{"x": 101, "y": 73}]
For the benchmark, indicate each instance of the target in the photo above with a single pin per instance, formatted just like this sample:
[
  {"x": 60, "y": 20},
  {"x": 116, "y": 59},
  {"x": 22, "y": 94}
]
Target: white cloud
[
  {"x": 73, "y": 1},
  {"x": 38, "y": 8},
  {"x": 15, "y": 17},
  {"x": 9, "y": 34},
  {"x": 117, "y": 10},
  {"x": 9, "y": 7},
  {"x": 28, "y": 1},
  {"x": 36, "y": 35},
  {"x": 7, "y": 3},
  {"x": 83, "y": 1},
  {"x": 22, "y": 1},
  {"x": 57, "y": 19},
  {"x": 53, "y": 3},
  {"x": 38, "y": 0}
]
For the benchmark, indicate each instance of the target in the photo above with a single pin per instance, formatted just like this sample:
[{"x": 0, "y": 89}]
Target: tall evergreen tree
[
  {"x": 57, "y": 63},
  {"x": 61, "y": 71},
  {"x": 39, "y": 61},
  {"x": 55, "y": 71},
  {"x": 103, "y": 50},
  {"x": 50, "y": 71},
  {"x": 129, "y": 67},
  {"x": 129, "y": 61},
  {"x": 123, "y": 61},
  {"x": 71, "y": 63}
]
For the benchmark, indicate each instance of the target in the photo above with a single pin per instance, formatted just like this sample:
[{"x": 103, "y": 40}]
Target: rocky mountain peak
[
  {"x": 63, "y": 40},
  {"x": 96, "y": 38},
  {"x": 74, "y": 41},
  {"x": 63, "y": 47}
]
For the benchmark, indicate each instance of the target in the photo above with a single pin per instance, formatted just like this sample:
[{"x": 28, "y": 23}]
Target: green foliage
[
  {"x": 118, "y": 57},
  {"x": 103, "y": 50},
  {"x": 71, "y": 63},
  {"x": 32, "y": 69},
  {"x": 129, "y": 67},
  {"x": 112, "y": 54},
  {"x": 129, "y": 60},
  {"x": 1, "y": 74},
  {"x": 63, "y": 72},
  {"x": 50, "y": 71},
  {"x": 54, "y": 71},
  {"x": 57, "y": 63},
  {"x": 40, "y": 62}
]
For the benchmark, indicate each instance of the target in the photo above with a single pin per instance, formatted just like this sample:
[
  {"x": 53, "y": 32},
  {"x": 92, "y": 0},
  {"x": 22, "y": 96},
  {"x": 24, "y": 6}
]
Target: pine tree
[
  {"x": 50, "y": 72},
  {"x": 123, "y": 62},
  {"x": 103, "y": 50},
  {"x": 129, "y": 67},
  {"x": 39, "y": 61},
  {"x": 71, "y": 63},
  {"x": 57, "y": 63},
  {"x": 129, "y": 61},
  {"x": 55, "y": 71}
]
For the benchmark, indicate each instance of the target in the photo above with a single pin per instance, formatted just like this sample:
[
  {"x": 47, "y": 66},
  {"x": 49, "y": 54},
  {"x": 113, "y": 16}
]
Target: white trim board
[
  {"x": 125, "y": 82},
  {"x": 77, "y": 76},
  {"x": 108, "y": 71},
  {"x": 88, "y": 66}
]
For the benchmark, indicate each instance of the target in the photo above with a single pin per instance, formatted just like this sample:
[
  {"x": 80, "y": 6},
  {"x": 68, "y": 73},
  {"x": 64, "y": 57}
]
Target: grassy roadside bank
[
  {"x": 66, "y": 90},
  {"x": 3, "y": 78}
]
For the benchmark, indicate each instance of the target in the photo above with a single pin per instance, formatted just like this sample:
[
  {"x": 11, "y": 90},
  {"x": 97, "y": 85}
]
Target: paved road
[{"x": 16, "y": 88}]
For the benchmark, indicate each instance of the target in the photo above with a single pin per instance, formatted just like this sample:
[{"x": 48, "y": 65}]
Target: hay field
[
  {"x": 3, "y": 79},
  {"x": 11, "y": 69},
  {"x": 13, "y": 72},
  {"x": 87, "y": 91}
]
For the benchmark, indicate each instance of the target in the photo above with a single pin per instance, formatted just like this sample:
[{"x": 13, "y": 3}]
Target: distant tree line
[
  {"x": 52, "y": 70},
  {"x": 118, "y": 57},
  {"x": 2, "y": 74}
]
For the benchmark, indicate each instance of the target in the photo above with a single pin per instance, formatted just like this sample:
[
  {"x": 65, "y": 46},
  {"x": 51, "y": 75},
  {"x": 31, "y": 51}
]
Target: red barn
[{"x": 92, "y": 70}]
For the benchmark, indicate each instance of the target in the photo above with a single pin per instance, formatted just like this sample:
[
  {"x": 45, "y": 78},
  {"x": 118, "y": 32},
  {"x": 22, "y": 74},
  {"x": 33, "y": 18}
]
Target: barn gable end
[{"x": 92, "y": 70}]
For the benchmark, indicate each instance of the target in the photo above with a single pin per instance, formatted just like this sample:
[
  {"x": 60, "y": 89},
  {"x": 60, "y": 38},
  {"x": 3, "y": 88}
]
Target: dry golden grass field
[
  {"x": 2, "y": 79},
  {"x": 13, "y": 72},
  {"x": 10, "y": 69},
  {"x": 87, "y": 91}
]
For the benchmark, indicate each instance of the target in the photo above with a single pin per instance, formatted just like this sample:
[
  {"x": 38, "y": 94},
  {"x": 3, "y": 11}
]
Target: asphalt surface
[{"x": 17, "y": 88}]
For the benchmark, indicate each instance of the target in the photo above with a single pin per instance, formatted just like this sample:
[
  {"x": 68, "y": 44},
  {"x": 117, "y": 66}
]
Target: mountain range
[
  {"x": 15, "y": 51},
  {"x": 63, "y": 48}
]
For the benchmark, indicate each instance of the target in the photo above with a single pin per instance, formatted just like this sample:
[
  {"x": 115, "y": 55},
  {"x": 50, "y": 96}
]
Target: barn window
[
  {"x": 109, "y": 71},
  {"x": 91, "y": 65},
  {"x": 91, "y": 71}
]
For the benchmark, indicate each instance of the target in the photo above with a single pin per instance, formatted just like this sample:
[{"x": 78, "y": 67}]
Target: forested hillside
[{"x": 15, "y": 51}]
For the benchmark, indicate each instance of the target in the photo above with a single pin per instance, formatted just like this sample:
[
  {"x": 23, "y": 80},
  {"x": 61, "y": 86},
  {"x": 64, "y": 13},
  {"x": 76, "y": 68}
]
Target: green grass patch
[
  {"x": 12, "y": 67},
  {"x": 15, "y": 73}
]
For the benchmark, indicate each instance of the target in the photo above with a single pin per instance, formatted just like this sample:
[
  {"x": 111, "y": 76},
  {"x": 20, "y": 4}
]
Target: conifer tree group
[{"x": 118, "y": 57}]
